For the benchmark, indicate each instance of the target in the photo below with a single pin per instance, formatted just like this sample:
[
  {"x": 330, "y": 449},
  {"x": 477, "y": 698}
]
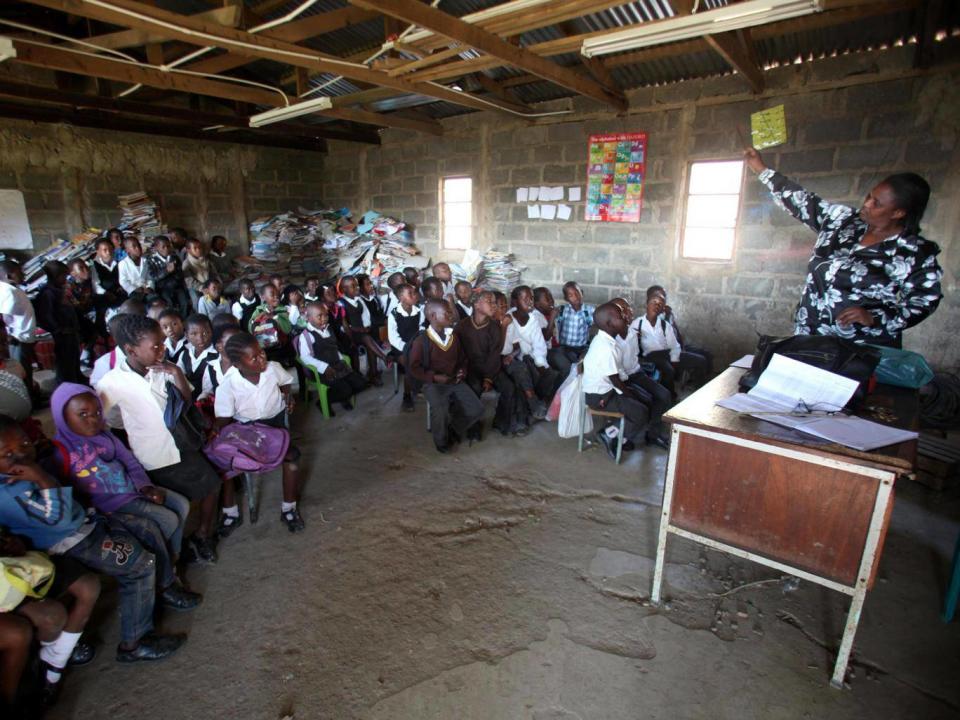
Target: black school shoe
[
  {"x": 83, "y": 653},
  {"x": 201, "y": 550},
  {"x": 609, "y": 443},
  {"x": 176, "y": 597},
  {"x": 658, "y": 441},
  {"x": 152, "y": 646},
  {"x": 228, "y": 523},
  {"x": 50, "y": 692},
  {"x": 407, "y": 404},
  {"x": 293, "y": 520}
]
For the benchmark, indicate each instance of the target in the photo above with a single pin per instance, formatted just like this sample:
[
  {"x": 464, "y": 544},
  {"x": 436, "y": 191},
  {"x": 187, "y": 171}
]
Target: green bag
[
  {"x": 29, "y": 575},
  {"x": 903, "y": 368}
]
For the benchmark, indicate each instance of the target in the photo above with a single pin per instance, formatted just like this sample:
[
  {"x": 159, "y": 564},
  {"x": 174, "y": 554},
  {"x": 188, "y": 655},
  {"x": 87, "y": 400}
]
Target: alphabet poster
[{"x": 616, "y": 169}]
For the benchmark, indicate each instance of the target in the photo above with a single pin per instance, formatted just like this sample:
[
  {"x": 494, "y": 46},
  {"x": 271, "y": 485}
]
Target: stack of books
[{"x": 497, "y": 272}]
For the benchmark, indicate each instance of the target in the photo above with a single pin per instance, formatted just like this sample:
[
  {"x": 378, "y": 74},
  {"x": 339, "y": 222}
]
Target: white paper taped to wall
[
  {"x": 521, "y": 194},
  {"x": 563, "y": 212},
  {"x": 533, "y": 212},
  {"x": 548, "y": 212},
  {"x": 573, "y": 194},
  {"x": 14, "y": 226}
]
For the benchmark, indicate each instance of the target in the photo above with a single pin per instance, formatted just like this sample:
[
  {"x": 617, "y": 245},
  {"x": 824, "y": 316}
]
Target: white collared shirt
[
  {"x": 133, "y": 276},
  {"x": 240, "y": 304},
  {"x": 196, "y": 359},
  {"x": 206, "y": 387},
  {"x": 393, "y": 333},
  {"x": 95, "y": 278},
  {"x": 17, "y": 311},
  {"x": 654, "y": 337},
  {"x": 174, "y": 349},
  {"x": 466, "y": 308},
  {"x": 240, "y": 399},
  {"x": 305, "y": 347},
  {"x": 443, "y": 342},
  {"x": 104, "y": 364},
  {"x": 141, "y": 400},
  {"x": 530, "y": 337},
  {"x": 629, "y": 352},
  {"x": 601, "y": 361},
  {"x": 388, "y": 302}
]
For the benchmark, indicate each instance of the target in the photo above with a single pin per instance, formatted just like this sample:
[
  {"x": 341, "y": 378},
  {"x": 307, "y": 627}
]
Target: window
[
  {"x": 456, "y": 213},
  {"x": 713, "y": 205}
]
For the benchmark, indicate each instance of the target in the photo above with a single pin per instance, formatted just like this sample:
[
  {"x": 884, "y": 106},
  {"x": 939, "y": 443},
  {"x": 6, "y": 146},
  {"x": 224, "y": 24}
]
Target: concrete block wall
[
  {"x": 71, "y": 177},
  {"x": 851, "y": 121}
]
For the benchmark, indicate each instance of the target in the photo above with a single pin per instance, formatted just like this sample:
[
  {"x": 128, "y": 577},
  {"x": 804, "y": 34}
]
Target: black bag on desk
[{"x": 833, "y": 354}]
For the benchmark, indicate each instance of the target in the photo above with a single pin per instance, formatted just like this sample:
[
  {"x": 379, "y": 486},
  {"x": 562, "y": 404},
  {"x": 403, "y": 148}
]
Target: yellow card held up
[{"x": 768, "y": 128}]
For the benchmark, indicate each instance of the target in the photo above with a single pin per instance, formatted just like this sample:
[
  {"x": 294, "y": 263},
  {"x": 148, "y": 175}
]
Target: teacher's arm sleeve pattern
[{"x": 807, "y": 207}]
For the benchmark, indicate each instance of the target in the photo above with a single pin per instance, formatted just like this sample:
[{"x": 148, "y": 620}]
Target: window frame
[
  {"x": 442, "y": 213},
  {"x": 682, "y": 220}
]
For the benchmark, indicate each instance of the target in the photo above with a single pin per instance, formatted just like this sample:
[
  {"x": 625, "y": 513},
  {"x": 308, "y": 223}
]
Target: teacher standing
[{"x": 871, "y": 275}]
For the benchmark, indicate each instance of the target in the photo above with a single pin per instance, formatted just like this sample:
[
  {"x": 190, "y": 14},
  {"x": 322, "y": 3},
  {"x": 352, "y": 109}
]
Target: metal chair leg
[
  {"x": 620, "y": 440},
  {"x": 428, "y": 416},
  {"x": 583, "y": 420},
  {"x": 396, "y": 377},
  {"x": 251, "y": 484}
]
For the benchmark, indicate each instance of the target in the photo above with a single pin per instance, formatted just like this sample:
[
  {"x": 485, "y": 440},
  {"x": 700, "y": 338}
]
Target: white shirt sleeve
[
  {"x": 206, "y": 386},
  {"x": 224, "y": 402},
  {"x": 284, "y": 378},
  {"x": 393, "y": 334},
  {"x": 95, "y": 279},
  {"x": 672, "y": 343},
  {"x": 303, "y": 351},
  {"x": 128, "y": 280},
  {"x": 511, "y": 339},
  {"x": 365, "y": 314},
  {"x": 538, "y": 344}
]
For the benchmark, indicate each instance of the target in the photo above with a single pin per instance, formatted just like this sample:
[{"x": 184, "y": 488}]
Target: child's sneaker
[{"x": 293, "y": 520}]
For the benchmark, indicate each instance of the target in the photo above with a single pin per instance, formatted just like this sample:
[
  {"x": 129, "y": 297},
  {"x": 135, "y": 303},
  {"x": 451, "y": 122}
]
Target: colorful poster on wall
[{"x": 616, "y": 169}]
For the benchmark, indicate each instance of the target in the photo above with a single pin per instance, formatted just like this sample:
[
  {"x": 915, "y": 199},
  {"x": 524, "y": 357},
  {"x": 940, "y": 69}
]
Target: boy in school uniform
[
  {"x": 697, "y": 360},
  {"x": 525, "y": 354},
  {"x": 196, "y": 270},
  {"x": 219, "y": 262},
  {"x": 602, "y": 384},
  {"x": 175, "y": 340},
  {"x": 463, "y": 291},
  {"x": 442, "y": 272},
  {"x": 317, "y": 347},
  {"x": 437, "y": 359},
  {"x": 58, "y": 316},
  {"x": 134, "y": 271},
  {"x": 659, "y": 343},
  {"x": 388, "y": 300},
  {"x": 359, "y": 323},
  {"x": 79, "y": 293},
  {"x": 482, "y": 340},
  {"x": 247, "y": 303},
  {"x": 547, "y": 309},
  {"x": 403, "y": 324},
  {"x": 164, "y": 268},
  {"x": 105, "y": 277},
  {"x": 573, "y": 330},
  {"x": 311, "y": 292},
  {"x": 212, "y": 303},
  {"x": 19, "y": 318},
  {"x": 198, "y": 353}
]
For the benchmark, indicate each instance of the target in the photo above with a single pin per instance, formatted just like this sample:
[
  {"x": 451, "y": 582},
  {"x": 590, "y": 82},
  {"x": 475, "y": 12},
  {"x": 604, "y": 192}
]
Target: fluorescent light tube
[
  {"x": 290, "y": 111},
  {"x": 7, "y": 50},
  {"x": 730, "y": 17}
]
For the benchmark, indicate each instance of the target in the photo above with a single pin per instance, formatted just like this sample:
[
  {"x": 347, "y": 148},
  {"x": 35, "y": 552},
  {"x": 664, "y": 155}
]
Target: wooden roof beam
[
  {"x": 736, "y": 48},
  {"x": 415, "y": 12},
  {"x": 225, "y": 16},
  {"x": 497, "y": 90}
]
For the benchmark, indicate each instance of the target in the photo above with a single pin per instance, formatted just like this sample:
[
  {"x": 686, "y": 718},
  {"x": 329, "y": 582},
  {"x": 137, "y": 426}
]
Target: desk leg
[
  {"x": 665, "y": 516},
  {"x": 863, "y": 578}
]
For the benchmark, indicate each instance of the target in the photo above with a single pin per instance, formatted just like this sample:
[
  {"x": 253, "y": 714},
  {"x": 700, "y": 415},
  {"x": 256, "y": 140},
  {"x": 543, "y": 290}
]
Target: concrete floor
[{"x": 509, "y": 581}]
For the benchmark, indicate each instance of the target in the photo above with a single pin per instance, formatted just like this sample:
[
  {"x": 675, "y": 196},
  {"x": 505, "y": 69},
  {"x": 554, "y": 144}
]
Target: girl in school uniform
[
  {"x": 358, "y": 322},
  {"x": 403, "y": 324},
  {"x": 257, "y": 390},
  {"x": 292, "y": 299},
  {"x": 199, "y": 352},
  {"x": 369, "y": 297},
  {"x": 153, "y": 396},
  {"x": 105, "y": 277}
]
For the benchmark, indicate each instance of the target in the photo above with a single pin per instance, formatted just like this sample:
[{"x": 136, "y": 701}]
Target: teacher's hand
[
  {"x": 855, "y": 314},
  {"x": 754, "y": 160}
]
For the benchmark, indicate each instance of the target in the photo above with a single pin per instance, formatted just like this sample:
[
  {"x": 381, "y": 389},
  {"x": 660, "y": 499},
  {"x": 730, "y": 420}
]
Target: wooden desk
[{"x": 780, "y": 498}]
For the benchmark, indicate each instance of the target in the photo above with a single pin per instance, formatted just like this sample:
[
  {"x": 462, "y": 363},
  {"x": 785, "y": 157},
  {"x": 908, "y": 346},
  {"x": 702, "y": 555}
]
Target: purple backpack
[{"x": 253, "y": 447}]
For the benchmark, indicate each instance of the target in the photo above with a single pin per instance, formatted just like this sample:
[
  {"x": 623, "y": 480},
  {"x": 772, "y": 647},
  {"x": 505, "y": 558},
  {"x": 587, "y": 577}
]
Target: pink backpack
[{"x": 252, "y": 447}]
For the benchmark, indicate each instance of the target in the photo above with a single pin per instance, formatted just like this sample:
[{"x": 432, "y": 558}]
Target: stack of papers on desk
[{"x": 808, "y": 399}]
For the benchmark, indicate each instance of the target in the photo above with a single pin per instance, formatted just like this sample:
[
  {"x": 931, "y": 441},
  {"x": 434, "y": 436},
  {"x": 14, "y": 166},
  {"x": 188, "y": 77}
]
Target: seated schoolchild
[
  {"x": 602, "y": 384},
  {"x": 79, "y": 293},
  {"x": 60, "y": 318},
  {"x": 317, "y": 347},
  {"x": 311, "y": 291},
  {"x": 196, "y": 270},
  {"x": 108, "y": 477},
  {"x": 219, "y": 262},
  {"x": 442, "y": 272},
  {"x": 358, "y": 322},
  {"x": 270, "y": 325},
  {"x": 199, "y": 352},
  {"x": 115, "y": 236},
  {"x": 105, "y": 278},
  {"x": 338, "y": 319},
  {"x": 156, "y": 306},
  {"x": 106, "y": 362},
  {"x": 257, "y": 390},
  {"x": 388, "y": 301},
  {"x": 412, "y": 277},
  {"x": 482, "y": 340},
  {"x": 34, "y": 505},
  {"x": 464, "y": 299},
  {"x": 277, "y": 281},
  {"x": 212, "y": 302},
  {"x": 175, "y": 339},
  {"x": 218, "y": 367},
  {"x": 654, "y": 395},
  {"x": 165, "y": 270},
  {"x": 658, "y": 342},
  {"x": 403, "y": 324},
  {"x": 134, "y": 270},
  {"x": 291, "y": 297},
  {"x": 697, "y": 360},
  {"x": 547, "y": 317},
  {"x": 368, "y": 296},
  {"x": 525, "y": 354},
  {"x": 153, "y": 398},
  {"x": 436, "y": 359},
  {"x": 58, "y": 618},
  {"x": 247, "y": 303},
  {"x": 573, "y": 330}
]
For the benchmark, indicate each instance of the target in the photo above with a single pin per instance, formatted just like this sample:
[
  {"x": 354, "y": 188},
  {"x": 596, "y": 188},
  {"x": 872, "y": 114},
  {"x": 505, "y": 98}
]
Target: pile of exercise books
[
  {"x": 139, "y": 216},
  {"x": 497, "y": 272}
]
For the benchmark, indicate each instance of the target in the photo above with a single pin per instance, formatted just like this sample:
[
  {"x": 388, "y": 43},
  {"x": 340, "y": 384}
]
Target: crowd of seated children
[
  {"x": 358, "y": 323},
  {"x": 317, "y": 347},
  {"x": 437, "y": 360},
  {"x": 572, "y": 330},
  {"x": 403, "y": 324},
  {"x": 212, "y": 302}
]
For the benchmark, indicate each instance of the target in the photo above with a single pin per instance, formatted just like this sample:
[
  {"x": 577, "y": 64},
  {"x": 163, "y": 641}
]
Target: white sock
[
  {"x": 57, "y": 653},
  {"x": 232, "y": 511},
  {"x": 287, "y": 507}
]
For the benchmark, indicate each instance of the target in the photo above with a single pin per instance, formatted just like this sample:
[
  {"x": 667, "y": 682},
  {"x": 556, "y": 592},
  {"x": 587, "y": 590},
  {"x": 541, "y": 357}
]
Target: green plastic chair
[{"x": 315, "y": 382}]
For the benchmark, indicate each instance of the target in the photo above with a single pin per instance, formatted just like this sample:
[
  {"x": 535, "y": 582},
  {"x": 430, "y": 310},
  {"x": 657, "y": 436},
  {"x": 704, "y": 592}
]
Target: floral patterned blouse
[{"x": 896, "y": 280}]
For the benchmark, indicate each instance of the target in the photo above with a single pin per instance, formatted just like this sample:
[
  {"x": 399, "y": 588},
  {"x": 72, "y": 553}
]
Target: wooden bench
[{"x": 938, "y": 461}]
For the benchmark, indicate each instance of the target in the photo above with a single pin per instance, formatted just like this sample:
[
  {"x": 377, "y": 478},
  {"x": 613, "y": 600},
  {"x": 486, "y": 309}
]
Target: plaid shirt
[{"x": 573, "y": 327}]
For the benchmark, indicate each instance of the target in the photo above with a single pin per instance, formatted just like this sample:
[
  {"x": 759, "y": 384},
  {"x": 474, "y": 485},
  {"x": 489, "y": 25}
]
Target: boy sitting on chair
[
  {"x": 602, "y": 387},
  {"x": 317, "y": 347},
  {"x": 437, "y": 359}
]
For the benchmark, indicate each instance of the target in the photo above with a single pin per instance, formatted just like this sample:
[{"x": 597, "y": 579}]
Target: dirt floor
[{"x": 509, "y": 581}]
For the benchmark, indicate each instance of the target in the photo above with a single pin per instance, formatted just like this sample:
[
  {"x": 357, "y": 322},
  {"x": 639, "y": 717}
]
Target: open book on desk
[{"x": 808, "y": 399}]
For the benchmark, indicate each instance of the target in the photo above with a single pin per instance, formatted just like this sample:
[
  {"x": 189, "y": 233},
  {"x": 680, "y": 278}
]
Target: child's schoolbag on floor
[{"x": 248, "y": 447}]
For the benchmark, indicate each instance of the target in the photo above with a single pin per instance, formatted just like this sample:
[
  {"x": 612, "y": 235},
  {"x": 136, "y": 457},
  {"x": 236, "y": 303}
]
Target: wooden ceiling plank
[
  {"x": 730, "y": 46},
  {"x": 225, "y": 16},
  {"x": 430, "y": 127}
]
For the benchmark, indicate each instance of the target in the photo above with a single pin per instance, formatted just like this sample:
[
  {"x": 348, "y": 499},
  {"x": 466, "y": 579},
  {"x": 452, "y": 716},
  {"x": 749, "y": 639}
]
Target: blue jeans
[
  {"x": 169, "y": 517},
  {"x": 112, "y": 550},
  {"x": 148, "y": 533}
]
